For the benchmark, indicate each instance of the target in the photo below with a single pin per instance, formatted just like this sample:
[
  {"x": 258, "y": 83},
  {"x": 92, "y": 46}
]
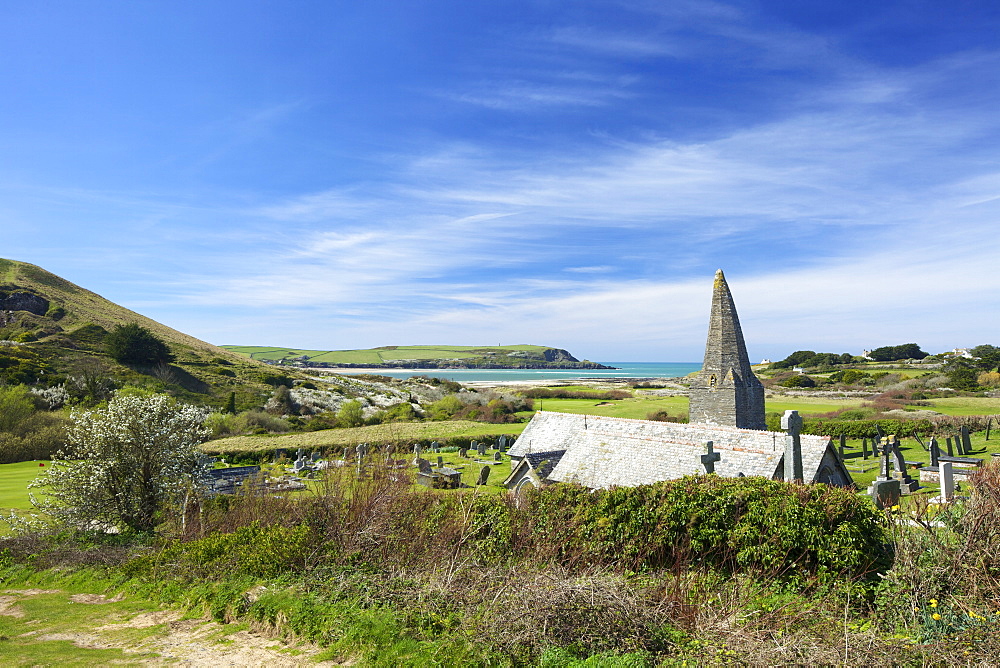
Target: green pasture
[
  {"x": 966, "y": 405},
  {"x": 375, "y": 434},
  {"x": 384, "y": 355},
  {"x": 641, "y": 406}
]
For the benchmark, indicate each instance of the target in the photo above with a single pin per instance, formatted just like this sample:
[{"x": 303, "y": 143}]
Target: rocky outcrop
[
  {"x": 23, "y": 301},
  {"x": 558, "y": 355}
]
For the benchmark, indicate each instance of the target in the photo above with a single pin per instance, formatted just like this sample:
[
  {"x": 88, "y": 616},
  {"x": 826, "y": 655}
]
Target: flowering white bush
[
  {"x": 52, "y": 397},
  {"x": 123, "y": 464}
]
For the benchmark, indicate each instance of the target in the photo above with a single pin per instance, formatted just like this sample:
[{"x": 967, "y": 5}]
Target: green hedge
[
  {"x": 856, "y": 428},
  {"x": 731, "y": 523}
]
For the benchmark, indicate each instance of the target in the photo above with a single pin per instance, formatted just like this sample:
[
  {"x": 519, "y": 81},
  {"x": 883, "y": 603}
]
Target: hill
[
  {"x": 422, "y": 357},
  {"x": 52, "y": 330}
]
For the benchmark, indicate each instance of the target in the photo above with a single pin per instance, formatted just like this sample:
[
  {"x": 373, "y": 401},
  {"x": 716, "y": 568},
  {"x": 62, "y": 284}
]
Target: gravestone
[
  {"x": 299, "y": 453},
  {"x": 315, "y": 456},
  {"x": 503, "y": 444},
  {"x": 843, "y": 444},
  {"x": 917, "y": 438},
  {"x": 875, "y": 450},
  {"x": 792, "y": 424},
  {"x": 347, "y": 453},
  {"x": 299, "y": 464},
  {"x": 885, "y": 493},
  {"x": 482, "y": 449},
  {"x": 435, "y": 446},
  {"x": 440, "y": 462},
  {"x": 906, "y": 483},
  {"x": 966, "y": 440},
  {"x": 497, "y": 456},
  {"x": 935, "y": 451},
  {"x": 951, "y": 453},
  {"x": 989, "y": 423},
  {"x": 710, "y": 457},
  {"x": 463, "y": 452},
  {"x": 424, "y": 465},
  {"x": 864, "y": 448},
  {"x": 947, "y": 478},
  {"x": 484, "y": 475}
]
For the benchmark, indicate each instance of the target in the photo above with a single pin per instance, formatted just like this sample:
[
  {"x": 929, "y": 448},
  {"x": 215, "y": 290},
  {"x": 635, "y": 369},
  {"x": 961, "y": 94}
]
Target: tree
[
  {"x": 123, "y": 464},
  {"x": 134, "y": 344},
  {"x": 901, "y": 352},
  {"x": 351, "y": 414}
]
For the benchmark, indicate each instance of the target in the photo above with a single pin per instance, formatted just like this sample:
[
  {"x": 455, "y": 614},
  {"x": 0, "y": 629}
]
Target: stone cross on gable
[
  {"x": 709, "y": 458},
  {"x": 791, "y": 422}
]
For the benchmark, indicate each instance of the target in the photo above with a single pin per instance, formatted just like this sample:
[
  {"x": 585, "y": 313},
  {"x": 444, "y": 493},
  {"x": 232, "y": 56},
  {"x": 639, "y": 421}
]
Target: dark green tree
[
  {"x": 134, "y": 344},
  {"x": 230, "y": 404},
  {"x": 901, "y": 352}
]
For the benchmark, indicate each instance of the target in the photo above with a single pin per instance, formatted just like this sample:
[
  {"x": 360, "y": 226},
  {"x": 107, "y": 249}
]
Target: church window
[{"x": 711, "y": 380}]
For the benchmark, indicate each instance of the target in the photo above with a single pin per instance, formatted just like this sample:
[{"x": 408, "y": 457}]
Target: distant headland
[{"x": 422, "y": 357}]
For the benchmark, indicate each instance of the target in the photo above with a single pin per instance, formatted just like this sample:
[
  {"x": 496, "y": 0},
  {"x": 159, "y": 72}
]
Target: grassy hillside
[
  {"x": 432, "y": 356},
  {"x": 58, "y": 330}
]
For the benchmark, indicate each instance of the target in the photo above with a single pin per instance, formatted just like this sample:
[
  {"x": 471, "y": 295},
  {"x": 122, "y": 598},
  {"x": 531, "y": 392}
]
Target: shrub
[
  {"x": 799, "y": 380},
  {"x": 134, "y": 344}
]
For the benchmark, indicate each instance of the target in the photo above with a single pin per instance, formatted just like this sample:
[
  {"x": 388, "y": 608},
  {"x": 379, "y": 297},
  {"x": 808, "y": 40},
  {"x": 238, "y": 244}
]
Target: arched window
[{"x": 711, "y": 380}]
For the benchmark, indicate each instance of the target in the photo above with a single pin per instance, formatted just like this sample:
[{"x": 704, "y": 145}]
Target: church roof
[{"x": 606, "y": 451}]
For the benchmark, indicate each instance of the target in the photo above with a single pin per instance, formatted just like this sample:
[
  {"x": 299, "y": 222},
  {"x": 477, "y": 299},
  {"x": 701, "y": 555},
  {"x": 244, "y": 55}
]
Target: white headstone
[{"x": 947, "y": 482}]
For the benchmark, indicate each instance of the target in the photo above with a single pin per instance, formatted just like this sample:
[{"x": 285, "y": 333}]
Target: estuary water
[{"x": 623, "y": 370}]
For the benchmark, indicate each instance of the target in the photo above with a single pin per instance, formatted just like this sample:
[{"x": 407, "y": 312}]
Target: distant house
[{"x": 963, "y": 352}]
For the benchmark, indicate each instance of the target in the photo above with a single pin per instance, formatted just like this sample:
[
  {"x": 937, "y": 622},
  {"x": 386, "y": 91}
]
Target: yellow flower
[
  {"x": 894, "y": 508},
  {"x": 933, "y": 602},
  {"x": 936, "y": 616}
]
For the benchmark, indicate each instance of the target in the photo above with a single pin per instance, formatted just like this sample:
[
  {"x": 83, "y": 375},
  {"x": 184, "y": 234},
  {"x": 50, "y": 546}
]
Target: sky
[{"x": 334, "y": 175}]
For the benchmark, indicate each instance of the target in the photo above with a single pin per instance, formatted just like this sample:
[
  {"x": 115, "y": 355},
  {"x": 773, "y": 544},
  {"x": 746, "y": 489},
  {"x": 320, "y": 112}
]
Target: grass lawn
[
  {"x": 640, "y": 407},
  {"x": 966, "y": 405},
  {"x": 374, "y": 434}
]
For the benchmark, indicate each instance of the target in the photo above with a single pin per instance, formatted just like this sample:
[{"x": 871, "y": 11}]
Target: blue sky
[{"x": 342, "y": 174}]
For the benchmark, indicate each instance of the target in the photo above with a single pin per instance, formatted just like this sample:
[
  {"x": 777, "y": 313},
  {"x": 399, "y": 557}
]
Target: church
[{"x": 726, "y": 433}]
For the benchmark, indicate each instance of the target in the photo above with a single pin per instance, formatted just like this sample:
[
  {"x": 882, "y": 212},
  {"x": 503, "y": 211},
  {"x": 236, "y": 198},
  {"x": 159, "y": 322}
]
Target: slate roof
[{"x": 605, "y": 451}]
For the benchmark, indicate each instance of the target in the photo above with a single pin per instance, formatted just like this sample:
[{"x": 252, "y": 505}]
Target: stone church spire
[{"x": 726, "y": 392}]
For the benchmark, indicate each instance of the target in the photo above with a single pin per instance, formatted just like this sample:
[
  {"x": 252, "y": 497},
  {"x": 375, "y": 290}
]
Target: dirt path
[{"x": 36, "y": 622}]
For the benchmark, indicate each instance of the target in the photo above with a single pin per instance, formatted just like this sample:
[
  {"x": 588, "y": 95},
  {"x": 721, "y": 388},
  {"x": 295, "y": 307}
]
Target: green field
[
  {"x": 392, "y": 432},
  {"x": 385, "y": 355}
]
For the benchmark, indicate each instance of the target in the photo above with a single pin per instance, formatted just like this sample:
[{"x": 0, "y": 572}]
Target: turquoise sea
[{"x": 623, "y": 370}]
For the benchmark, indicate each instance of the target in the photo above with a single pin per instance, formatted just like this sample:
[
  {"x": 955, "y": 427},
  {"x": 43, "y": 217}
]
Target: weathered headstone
[
  {"x": 299, "y": 453},
  {"x": 463, "y": 452},
  {"x": 935, "y": 451},
  {"x": 843, "y": 444},
  {"x": 482, "y": 449},
  {"x": 885, "y": 493},
  {"x": 864, "y": 448},
  {"x": 906, "y": 483},
  {"x": 792, "y": 424},
  {"x": 951, "y": 453},
  {"x": 947, "y": 479},
  {"x": 875, "y": 450},
  {"x": 989, "y": 423},
  {"x": 497, "y": 456},
  {"x": 424, "y": 465},
  {"x": 966, "y": 441},
  {"x": 299, "y": 464},
  {"x": 315, "y": 456},
  {"x": 710, "y": 457},
  {"x": 440, "y": 462},
  {"x": 484, "y": 475}
]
